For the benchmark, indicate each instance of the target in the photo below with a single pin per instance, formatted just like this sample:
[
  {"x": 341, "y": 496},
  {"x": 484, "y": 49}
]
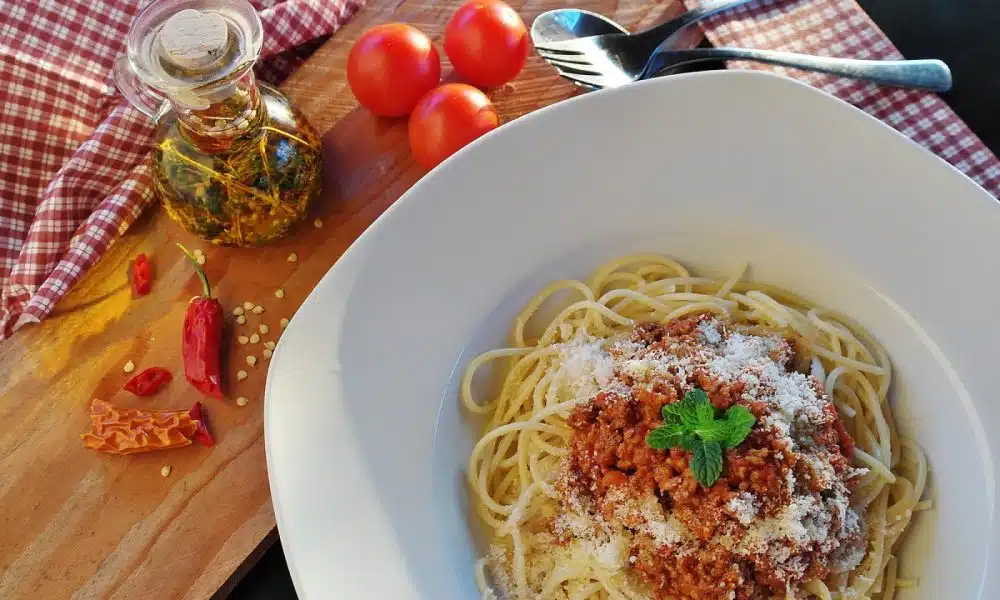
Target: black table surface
[{"x": 963, "y": 33}]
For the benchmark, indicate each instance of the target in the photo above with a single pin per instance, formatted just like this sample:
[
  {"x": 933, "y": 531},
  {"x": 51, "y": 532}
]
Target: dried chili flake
[
  {"x": 149, "y": 381},
  {"x": 141, "y": 276}
]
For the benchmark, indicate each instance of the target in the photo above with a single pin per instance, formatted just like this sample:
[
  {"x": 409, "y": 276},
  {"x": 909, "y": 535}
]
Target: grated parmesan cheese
[
  {"x": 792, "y": 396},
  {"x": 744, "y": 507},
  {"x": 849, "y": 555},
  {"x": 496, "y": 562},
  {"x": 594, "y": 536},
  {"x": 586, "y": 367},
  {"x": 709, "y": 331}
]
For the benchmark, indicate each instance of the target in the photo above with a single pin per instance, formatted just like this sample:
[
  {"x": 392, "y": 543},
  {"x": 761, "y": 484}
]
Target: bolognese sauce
[{"x": 779, "y": 514}]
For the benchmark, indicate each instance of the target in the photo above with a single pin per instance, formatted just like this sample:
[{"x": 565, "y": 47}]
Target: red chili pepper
[
  {"x": 149, "y": 381},
  {"x": 202, "y": 341},
  {"x": 142, "y": 275},
  {"x": 203, "y": 436}
]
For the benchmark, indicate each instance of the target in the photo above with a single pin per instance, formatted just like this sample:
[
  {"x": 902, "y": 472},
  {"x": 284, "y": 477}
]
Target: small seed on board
[
  {"x": 241, "y": 319},
  {"x": 241, "y": 375},
  {"x": 267, "y": 353},
  {"x": 243, "y": 339},
  {"x": 251, "y": 360},
  {"x": 165, "y": 471},
  {"x": 258, "y": 309},
  {"x": 254, "y": 338},
  {"x": 292, "y": 257},
  {"x": 128, "y": 367},
  {"x": 269, "y": 345},
  {"x": 238, "y": 311},
  {"x": 283, "y": 322},
  {"x": 279, "y": 293},
  {"x": 318, "y": 223},
  {"x": 264, "y": 328},
  {"x": 248, "y": 306},
  {"x": 241, "y": 401}
]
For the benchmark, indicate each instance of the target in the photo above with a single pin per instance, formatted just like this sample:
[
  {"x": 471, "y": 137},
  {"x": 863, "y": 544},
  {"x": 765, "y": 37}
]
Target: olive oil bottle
[{"x": 233, "y": 161}]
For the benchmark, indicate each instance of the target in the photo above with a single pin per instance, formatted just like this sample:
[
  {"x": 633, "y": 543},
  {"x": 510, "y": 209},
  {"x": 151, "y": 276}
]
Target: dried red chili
[
  {"x": 202, "y": 435},
  {"x": 202, "y": 341},
  {"x": 131, "y": 430},
  {"x": 142, "y": 275},
  {"x": 149, "y": 381}
]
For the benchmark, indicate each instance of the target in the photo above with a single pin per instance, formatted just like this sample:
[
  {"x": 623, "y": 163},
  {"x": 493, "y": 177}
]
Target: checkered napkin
[
  {"x": 73, "y": 168},
  {"x": 841, "y": 28}
]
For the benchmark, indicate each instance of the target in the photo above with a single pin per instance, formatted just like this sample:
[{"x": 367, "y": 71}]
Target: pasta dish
[{"x": 665, "y": 436}]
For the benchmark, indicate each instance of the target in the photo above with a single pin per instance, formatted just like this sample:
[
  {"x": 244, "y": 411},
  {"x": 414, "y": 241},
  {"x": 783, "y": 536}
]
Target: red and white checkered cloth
[
  {"x": 842, "y": 28},
  {"x": 73, "y": 168}
]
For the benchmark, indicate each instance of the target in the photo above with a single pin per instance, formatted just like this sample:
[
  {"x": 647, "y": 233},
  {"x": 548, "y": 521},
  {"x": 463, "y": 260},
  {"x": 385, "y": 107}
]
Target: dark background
[{"x": 963, "y": 33}]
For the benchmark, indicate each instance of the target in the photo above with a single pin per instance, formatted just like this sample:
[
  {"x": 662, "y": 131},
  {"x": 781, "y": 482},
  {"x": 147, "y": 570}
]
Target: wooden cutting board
[{"x": 76, "y": 523}]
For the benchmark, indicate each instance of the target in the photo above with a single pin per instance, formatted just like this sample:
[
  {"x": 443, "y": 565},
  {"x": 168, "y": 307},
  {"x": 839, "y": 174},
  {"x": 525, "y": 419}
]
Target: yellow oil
[{"x": 245, "y": 186}]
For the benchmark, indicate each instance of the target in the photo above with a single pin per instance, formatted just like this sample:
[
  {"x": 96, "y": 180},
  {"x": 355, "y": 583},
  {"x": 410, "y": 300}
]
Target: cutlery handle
[{"x": 927, "y": 74}]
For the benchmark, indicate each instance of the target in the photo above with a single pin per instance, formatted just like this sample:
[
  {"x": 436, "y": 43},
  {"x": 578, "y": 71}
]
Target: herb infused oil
[{"x": 233, "y": 161}]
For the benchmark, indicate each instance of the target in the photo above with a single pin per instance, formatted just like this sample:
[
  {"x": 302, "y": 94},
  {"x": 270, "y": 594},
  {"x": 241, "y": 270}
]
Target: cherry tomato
[
  {"x": 487, "y": 42},
  {"x": 448, "y": 118},
  {"x": 390, "y": 67}
]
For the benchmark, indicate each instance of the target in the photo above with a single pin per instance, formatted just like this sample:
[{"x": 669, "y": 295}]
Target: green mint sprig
[{"x": 691, "y": 424}]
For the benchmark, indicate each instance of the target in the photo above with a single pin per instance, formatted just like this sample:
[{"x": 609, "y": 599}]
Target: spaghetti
[{"x": 578, "y": 507}]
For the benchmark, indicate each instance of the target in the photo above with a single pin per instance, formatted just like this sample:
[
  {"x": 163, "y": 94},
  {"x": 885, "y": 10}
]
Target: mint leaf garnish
[
  {"x": 691, "y": 424},
  {"x": 714, "y": 431},
  {"x": 659, "y": 439},
  {"x": 706, "y": 462},
  {"x": 692, "y": 408},
  {"x": 740, "y": 421},
  {"x": 671, "y": 413},
  {"x": 704, "y": 412},
  {"x": 670, "y": 436}
]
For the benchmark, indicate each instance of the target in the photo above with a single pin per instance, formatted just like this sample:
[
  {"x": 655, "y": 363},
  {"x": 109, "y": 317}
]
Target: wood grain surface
[{"x": 78, "y": 524}]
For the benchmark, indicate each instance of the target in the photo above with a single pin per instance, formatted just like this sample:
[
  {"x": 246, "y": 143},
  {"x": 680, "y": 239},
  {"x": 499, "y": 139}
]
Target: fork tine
[
  {"x": 548, "y": 54},
  {"x": 575, "y": 68},
  {"x": 575, "y": 46},
  {"x": 564, "y": 59},
  {"x": 594, "y": 80}
]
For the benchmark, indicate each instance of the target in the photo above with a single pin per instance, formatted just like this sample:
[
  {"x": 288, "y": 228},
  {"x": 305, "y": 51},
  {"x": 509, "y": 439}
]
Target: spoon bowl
[{"x": 570, "y": 23}]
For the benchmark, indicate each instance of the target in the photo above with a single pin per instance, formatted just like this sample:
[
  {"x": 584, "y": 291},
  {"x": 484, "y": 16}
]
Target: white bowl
[{"x": 366, "y": 443}]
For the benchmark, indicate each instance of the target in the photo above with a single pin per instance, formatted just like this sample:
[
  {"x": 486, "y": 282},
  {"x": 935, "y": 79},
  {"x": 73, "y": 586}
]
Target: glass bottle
[{"x": 233, "y": 161}]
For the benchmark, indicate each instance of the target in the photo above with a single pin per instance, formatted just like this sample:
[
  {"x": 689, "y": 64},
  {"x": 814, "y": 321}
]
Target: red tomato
[
  {"x": 390, "y": 67},
  {"x": 448, "y": 118},
  {"x": 487, "y": 42}
]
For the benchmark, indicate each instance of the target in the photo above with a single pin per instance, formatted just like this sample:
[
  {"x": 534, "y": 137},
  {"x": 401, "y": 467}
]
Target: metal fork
[
  {"x": 590, "y": 66},
  {"x": 632, "y": 51}
]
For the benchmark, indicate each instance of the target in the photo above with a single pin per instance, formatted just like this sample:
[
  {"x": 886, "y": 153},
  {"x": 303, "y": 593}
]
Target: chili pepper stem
[{"x": 205, "y": 287}]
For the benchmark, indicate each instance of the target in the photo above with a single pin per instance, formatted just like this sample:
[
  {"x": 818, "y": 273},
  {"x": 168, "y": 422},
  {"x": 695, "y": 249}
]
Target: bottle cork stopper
[{"x": 191, "y": 38}]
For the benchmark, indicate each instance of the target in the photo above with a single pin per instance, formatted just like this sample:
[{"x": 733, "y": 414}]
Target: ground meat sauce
[{"x": 779, "y": 512}]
